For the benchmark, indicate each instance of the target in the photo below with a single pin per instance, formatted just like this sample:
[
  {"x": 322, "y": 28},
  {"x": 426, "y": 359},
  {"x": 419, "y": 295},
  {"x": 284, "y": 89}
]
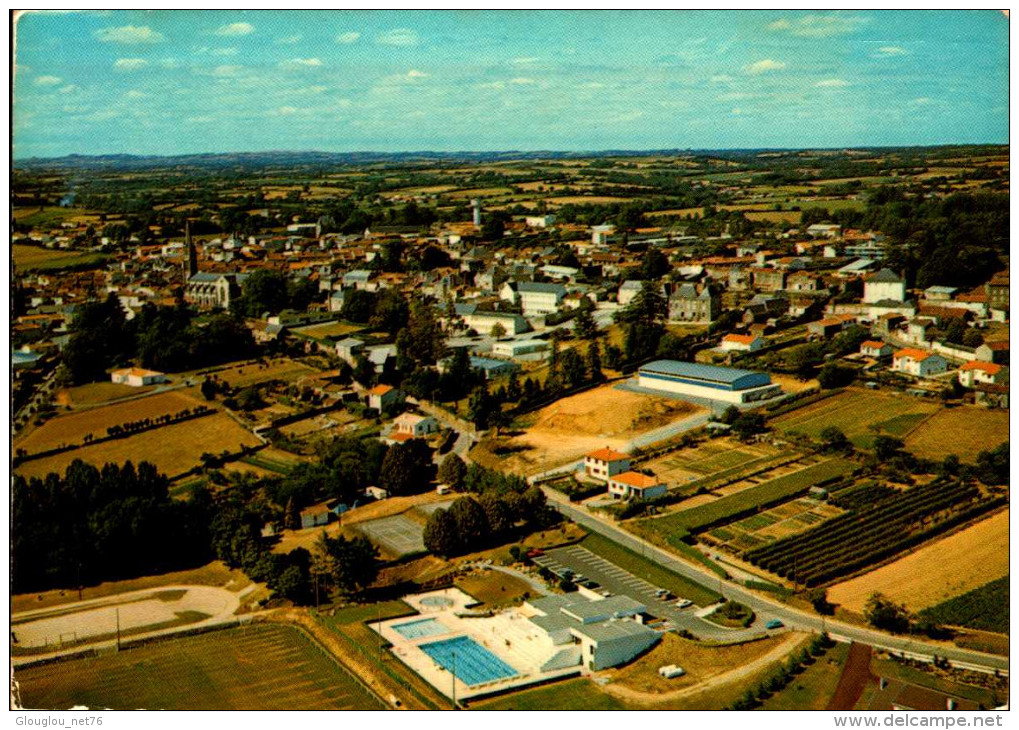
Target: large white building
[
  {"x": 885, "y": 285},
  {"x": 137, "y": 377},
  {"x": 535, "y": 298},
  {"x": 713, "y": 382}
]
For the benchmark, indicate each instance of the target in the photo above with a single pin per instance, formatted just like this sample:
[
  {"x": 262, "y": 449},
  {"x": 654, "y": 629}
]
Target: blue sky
[{"x": 169, "y": 82}]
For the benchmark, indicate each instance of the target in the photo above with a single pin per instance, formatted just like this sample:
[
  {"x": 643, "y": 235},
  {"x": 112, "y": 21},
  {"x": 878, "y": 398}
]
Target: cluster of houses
[{"x": 613, "y": 468}]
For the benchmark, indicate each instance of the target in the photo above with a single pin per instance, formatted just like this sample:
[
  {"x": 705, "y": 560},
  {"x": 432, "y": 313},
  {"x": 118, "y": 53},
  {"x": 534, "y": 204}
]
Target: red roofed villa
[{"x": 605, "y": 463}]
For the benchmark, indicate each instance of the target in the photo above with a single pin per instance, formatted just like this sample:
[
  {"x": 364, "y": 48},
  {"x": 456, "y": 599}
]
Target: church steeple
[{"x": 192, "y": 254}]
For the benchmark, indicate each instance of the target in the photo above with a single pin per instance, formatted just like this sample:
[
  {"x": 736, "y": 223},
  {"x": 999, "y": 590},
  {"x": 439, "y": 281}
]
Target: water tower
[{"x": 476, "y": 207}]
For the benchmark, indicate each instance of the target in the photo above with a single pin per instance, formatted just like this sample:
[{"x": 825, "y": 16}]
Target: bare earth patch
[
  {"x": 574, "y": 426},
  {"x": 946, "y": 568},
  {"x": 964, "y": 431}
]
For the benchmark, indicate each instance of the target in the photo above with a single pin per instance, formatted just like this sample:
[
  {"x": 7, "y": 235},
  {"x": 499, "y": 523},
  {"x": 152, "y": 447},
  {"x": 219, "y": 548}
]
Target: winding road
[{"x": 791, "y": 617}]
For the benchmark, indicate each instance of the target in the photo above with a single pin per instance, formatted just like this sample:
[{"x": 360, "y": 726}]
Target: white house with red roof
[
  {"x": 634, "y": 485},
  {"x": 920, "y": 363},
  {"x": 606, "y": 463},
  {"x": 876, "y": 349},
  {"x": 982, "y": 373},
  {"x": 137, "y": 377},
  {"x": 382, "y": 396},
  {"x": 742, "y": 343}
]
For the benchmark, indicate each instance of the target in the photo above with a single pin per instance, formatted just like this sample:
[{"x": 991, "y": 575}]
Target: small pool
[
  {"x": 437, "y": 601},
  {"x": 420, "y": 628},
  {"x": 474, "y": 664}
]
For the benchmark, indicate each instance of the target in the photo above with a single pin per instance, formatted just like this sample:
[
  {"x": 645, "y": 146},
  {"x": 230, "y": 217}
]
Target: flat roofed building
[
  {"x": 731, "y": 385},
  {"x": 137, "y": 377}
]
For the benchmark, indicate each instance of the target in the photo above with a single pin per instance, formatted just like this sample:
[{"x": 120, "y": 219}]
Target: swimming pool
[
  {"x": 474, "y": 663},
  {"x": 420, "y": 628}
]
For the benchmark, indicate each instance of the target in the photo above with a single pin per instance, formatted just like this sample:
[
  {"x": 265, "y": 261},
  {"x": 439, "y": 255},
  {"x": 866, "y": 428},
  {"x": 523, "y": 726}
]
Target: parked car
[
  {"x": 774, "y": 624},
  {"x": 683, "y": 603}
]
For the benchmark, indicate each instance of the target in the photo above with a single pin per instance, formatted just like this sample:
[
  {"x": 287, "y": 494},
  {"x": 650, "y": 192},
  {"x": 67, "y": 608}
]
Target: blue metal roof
[{"x": 714, "y": 373}]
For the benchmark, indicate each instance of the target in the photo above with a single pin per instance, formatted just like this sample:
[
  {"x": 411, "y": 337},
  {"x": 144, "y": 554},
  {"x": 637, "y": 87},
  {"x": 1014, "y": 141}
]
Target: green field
[
  {"x": 814, "y": 688},
  {"x": 984, "y": 608},
  {"x": 763, "y": 494},
  {"x": 258, "y": 667},
  {"x": 572, "y": 694},
  {"x": 649, "y": 571},
  {"x": 36, "y": 258},
  {"x": 860, "y": 415}
]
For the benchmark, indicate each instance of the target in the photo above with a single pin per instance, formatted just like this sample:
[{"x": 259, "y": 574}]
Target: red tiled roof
[
  {"x": 912, "y": 352},
  {"x": 988, "y": 367},
  {"x": 607, "y": 454},
  {"x": 380, "y": 390},
  {"x": 636, "y": 479},
  {"x": 742, "y": 339}
]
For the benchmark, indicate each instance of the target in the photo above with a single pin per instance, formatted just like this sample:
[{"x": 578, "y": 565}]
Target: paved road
[
  {"x": 792, "y": 617},
  {"x": 620, "y": 582}
]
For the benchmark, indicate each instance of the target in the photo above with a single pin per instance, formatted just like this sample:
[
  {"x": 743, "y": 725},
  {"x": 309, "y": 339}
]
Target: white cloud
[
  {"x": 223, "y": 52},
  {"x": 288, "y": 40},
  {"x": 737, "y": 111},
  {"x": 130, "y": 34},
  {"x": 764, "y": 66},
  {"x": 525, "y": 60},
  {"x": 69, "y": 89},
  {"x": 592, "y": 85},
  {"x": 820, "y": 26},
  {"x": 922, "y": 100},
  {"x": 415, "y": 74},
  {"x": 170, "y": 63},
  {"x": 349, "y": 37},
  {"x": 130, "y": 64},
  {"x": 287, "y": 110},
  {"x": 299, "y": 62},
  {"x": 886, "y": 51},
  {"x": 398, "y": 37},
  {"x": 492, "y": 85},
  {"x": 832, "y": 84},
  {"x": 235, "y": 29},
  {"x": 135, "y": 94},
  {"x": 227, "y": 70},
  {"x": 522, "y": 81},
  {"x": 47, "y": 80},
  {"x": 721, "y": 79}
]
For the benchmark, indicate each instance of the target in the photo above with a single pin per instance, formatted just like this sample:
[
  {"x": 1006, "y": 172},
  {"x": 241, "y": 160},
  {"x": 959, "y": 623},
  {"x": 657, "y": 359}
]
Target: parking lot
[{"x": 614, "y": 579}]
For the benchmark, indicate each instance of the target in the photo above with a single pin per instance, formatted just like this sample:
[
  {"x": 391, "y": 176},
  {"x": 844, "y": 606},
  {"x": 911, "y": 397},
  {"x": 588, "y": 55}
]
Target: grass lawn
[
  {"x": 814, "y": 688},
  {"x": 894, "y": 670},
  {"x": 258, "y": 667},
  {"x": 571, "y": 694},
  {"x": 36, "y": 258},
  {"x": 649, "y": 571},
  {"x": 494, "y": 588}
]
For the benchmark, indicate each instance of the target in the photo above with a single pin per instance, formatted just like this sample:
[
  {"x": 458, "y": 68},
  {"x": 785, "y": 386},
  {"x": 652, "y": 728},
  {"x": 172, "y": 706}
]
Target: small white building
[
  {"x": 539, "y": 221},
  {"x": 516, "y": 348},
  {"x": 627, "y": 291},
  {"x": 349, "y": 348},
  {"x": 606, "y": 463},
  {"x": 876, "y": 349},
  {"x": 137, "y": 377},
  {"x": 884, "y": 285},
  {"x": 982, "y": 373},
  {"x": 742, "y": 343},
  {"x": 634, "y": 485},
  {"x": 382, "y": 396},
  {"x": 415, "y": 425},
  {"x": 824, "y": 230},
  {"x": 919, "y": 363}
]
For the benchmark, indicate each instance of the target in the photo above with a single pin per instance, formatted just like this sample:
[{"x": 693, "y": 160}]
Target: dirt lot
[
  {"x": 172, "y": 449},
  {"x": 72, "y": 427},
  {"x": 278, "y": 369},
  {"x": 963, "y": 431},
  {"x": 936, "y": 572},
  {"x": 571, "y": 427}
]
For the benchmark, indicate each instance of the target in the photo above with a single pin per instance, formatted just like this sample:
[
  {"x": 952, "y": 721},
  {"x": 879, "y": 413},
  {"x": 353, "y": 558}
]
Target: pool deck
[{"x": 507, "y": 635}]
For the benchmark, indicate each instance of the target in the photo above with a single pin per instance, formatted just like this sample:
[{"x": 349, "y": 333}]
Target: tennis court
[{"x": 398, "y": 534}]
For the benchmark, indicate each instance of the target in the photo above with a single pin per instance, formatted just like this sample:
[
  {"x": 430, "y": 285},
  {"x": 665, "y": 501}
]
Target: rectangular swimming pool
[
  {"x": 474, "y": 663},
  {"x": 420, "y": 628}
]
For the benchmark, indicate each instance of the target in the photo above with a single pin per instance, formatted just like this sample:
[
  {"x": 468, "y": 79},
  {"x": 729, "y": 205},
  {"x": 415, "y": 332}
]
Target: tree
[
  {"x": 584, "y": 325},
  {"x": 208, "y": 389},
  {"x": 594, "y": 371},
  {"x": 364, "y": 371},
  {"x": 643, "y": 320},
  {"x": 833, "y": 440},
  {"x": 406, "y": 467},
  {"x": 481, "y": 406},
  {"x": 883, "y": 613},
  {"x": 955, "y": 331},
  {"x": 730, "y": 415},
  {"x": 972, "y": 338},
  {"x": 264, "y": 290},
  {"x": 352, "y": 564},
  {"x": 389, "y": 312},
  {"x": 422, "y": 339},
  {"x": 887, "y": 447},
  {"x": 748, "y": 424},
  {"x": 498, "y": 331},
  {"x": 498, "y": 515},
  {"x": 818, "y": 598},
  {"x": 471, "y": 522},
  {"x": 833, "y": 375},
  {"x": 574, "y": 373},
  {"x": 292, "y": 515},
  {"x": 440, "y": 534},
  {"x": 655, "y": 265},
  {"x": 992, "y": 466},
  {"x": 453, "y": 471}
]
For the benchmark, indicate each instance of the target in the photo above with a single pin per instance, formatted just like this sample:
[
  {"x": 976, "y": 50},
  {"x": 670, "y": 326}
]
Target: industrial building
[{"x": 707, "y": 381}]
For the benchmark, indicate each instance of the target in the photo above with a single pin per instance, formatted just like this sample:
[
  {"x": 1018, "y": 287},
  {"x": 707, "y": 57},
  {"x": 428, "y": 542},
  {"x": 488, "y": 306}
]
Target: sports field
[
  {"x": 963, "y": 431},
  {"x": 258, "y": 667},
  {"x": 398, "y": 535},
  {"x": 860, "y": 415}
]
